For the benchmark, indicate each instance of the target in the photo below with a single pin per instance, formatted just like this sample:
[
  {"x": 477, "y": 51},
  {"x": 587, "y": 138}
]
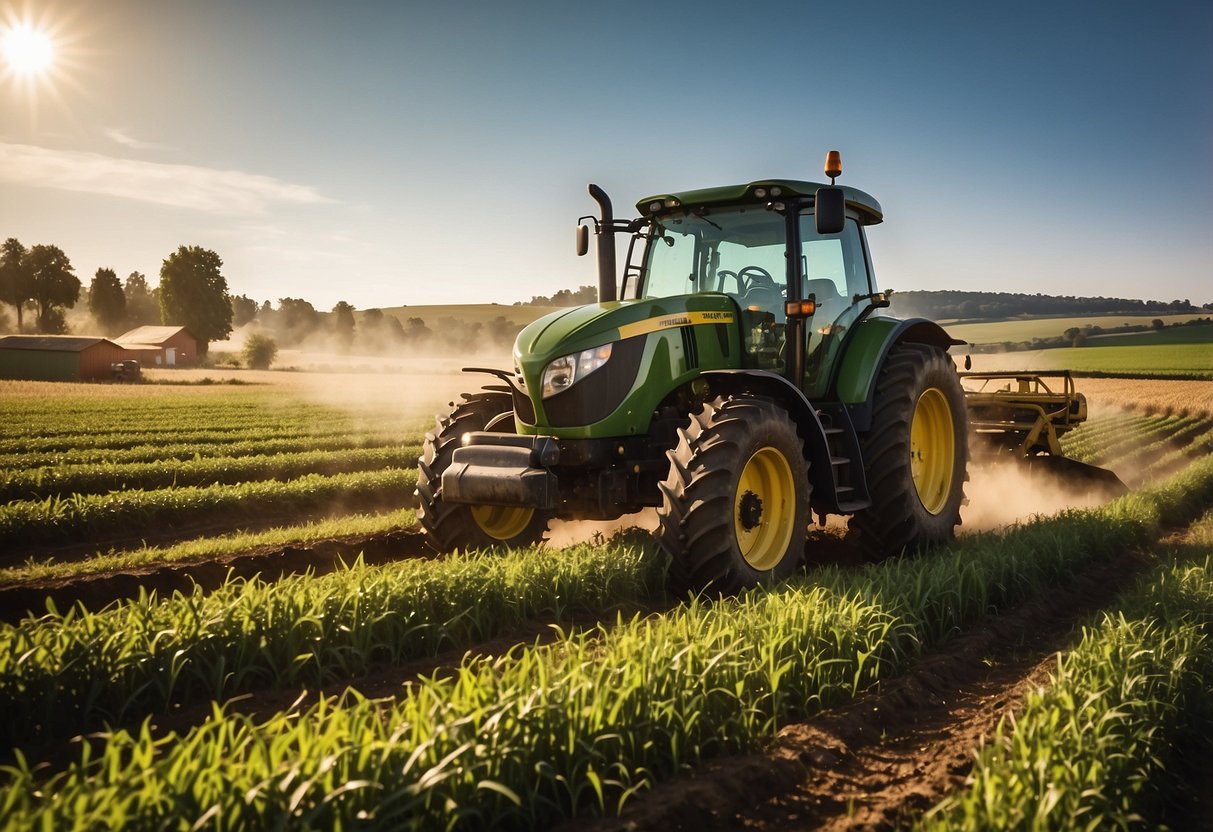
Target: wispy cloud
[
  {"x": 182, "y": 186},
  {"x": 125, "y": 139}
]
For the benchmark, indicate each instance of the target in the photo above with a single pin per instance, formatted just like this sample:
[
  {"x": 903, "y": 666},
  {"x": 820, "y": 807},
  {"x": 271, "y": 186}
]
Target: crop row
[
  {"x": 210, "y": 548},
  {"x": 65, "y": 673},
  {"x": 195, "y": 437},
  {"x": 583, "y": 724},
  {"x": 1102, "y": 443},
  {"x": 164, "y": 420},
  {"x": 152, "y": 451},
  {"x": 1141, "y": 456},
  {"x": 1165, "y": 429},
  {"x": 79, "y": 516},
  {"x": 1093, "y": 750},
  {"x": 39, "y": 483},
  {"x": 1201, "y": 445}
]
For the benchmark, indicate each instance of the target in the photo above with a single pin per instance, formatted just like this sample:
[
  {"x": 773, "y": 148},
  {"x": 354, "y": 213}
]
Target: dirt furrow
[{"x": 891, "y": 754}]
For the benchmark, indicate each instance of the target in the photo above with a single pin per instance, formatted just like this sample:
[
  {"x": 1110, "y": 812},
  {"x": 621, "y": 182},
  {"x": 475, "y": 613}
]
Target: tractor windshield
[{"x": 739, "y": 251}]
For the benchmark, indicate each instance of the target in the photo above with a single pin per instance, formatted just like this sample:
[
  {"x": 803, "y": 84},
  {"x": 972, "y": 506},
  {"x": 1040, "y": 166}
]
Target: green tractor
[{"x": 743, "y": 379}]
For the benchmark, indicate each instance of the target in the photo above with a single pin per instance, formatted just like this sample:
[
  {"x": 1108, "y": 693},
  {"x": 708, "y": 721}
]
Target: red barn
[
  {"x": 59, "y": 357},
  {"x": 161, "y": 346}
]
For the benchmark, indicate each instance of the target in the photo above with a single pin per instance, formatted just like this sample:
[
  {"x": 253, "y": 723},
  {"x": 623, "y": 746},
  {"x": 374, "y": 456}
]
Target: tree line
[
  {"x": 984, "y": 306},
  {"x": 192, "y": 292},
  {"x": 295, "y": 322}
]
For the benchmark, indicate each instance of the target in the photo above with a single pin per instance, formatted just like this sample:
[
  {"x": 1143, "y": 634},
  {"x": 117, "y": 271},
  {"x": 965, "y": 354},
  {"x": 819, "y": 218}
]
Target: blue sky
[{"x": 410, "y": 153}]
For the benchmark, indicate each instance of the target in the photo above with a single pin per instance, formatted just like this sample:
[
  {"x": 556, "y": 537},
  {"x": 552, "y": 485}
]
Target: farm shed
[
  {"x": 161, "y": 346},
  {"x": 58, "y": 357}
]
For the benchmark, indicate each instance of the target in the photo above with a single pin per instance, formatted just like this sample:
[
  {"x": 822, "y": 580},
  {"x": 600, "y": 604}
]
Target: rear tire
[
  {"x": 450, "y": 526},
  {"x": 915, "y": 454},
  {"x": 735, "y": 505}
]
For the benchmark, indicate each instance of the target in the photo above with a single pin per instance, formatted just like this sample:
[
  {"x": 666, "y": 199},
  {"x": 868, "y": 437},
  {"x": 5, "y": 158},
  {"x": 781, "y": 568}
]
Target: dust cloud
[
  {"x": 1004, "y": 493},
  {"x": 564, "y": 533}
]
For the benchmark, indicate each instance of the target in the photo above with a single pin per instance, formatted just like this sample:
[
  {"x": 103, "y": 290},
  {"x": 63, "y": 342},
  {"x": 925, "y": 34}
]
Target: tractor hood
[
  {"x": 583, "y": 327},
  {"x": 656, "y": 345}
]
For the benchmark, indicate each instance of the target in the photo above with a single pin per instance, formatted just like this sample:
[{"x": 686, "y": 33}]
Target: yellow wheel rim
[
  {"x": 764, "y": 509},
  {"x": 932, "y": 450},
  {"x": 502, "y": 522}
]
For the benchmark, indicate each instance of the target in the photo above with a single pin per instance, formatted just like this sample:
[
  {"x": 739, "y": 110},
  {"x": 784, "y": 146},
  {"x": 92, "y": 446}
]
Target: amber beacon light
[{"x": 833, "y": 165}]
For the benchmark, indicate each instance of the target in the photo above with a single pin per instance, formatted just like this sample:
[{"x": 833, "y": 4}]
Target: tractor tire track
[{"x": 888, "y": 756}]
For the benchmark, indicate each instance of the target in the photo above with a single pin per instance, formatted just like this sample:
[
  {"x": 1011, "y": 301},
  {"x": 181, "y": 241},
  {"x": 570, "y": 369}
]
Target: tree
[
  {"x": 297, "y": 319},
  {"x": 1157, "y": 324},
  {"x": 142, "y": 305},
  {"x": 343, "y": 324},
  {"x": 193, "y": 293},
  {"x": 16, "y": 283},
  {"x": 54, "y": 285},
  {"x": 107, "y": 301},
  {"x": 260, "y": 351},
  {"x": 244, "y": 309}
]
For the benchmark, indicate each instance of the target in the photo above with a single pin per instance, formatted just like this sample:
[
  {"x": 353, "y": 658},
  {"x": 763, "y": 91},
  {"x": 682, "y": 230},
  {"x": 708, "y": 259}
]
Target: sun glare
[{"x": 27, "y": 51}]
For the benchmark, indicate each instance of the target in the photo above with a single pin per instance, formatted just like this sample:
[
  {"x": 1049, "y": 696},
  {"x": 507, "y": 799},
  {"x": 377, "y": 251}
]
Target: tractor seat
[{"x": 825, "y": 290}]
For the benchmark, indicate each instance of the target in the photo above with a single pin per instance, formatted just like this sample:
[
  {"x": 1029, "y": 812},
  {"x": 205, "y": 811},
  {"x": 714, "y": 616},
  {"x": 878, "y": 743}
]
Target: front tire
[
  {"x": 450, "y": 526},
  {"x": 735, "y": 505},
  {"x": 915, "y": 454}
]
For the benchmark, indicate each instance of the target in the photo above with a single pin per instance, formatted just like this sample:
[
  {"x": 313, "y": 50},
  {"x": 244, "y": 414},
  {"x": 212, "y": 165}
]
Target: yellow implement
[{"x": 1024, "y": 416}]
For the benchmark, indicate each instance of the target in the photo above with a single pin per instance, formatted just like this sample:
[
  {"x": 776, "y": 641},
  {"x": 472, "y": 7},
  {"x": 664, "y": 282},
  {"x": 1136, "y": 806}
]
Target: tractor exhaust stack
[{"x": 605, "y": 231}]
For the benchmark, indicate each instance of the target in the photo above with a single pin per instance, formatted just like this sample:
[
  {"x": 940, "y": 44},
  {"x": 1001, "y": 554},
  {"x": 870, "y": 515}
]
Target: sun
[{"x": 27, "y": 51}]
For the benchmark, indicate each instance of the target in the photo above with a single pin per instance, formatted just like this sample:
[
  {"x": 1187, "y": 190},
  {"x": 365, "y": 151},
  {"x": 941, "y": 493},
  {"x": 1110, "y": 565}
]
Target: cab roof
[{"x": 864, "y": 204}]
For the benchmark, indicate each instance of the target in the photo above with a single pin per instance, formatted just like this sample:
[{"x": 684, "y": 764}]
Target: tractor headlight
[{"x": 564, "y": 372}]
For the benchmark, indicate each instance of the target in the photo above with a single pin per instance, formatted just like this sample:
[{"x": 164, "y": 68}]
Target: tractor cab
[{"x": 794, "y": 286}]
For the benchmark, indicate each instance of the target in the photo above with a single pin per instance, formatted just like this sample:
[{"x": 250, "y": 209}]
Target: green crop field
[
  {"x": 996, "y": 332},
  {"x": 1195, "y": 334},
  {"x": 1194, "y": 361},
  {"x": 218, "y": 613}
]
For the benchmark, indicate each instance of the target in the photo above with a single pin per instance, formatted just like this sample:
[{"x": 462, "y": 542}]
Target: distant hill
[
  {"x": 518, "y": 315},
  {"x": 951, "y": 304}
]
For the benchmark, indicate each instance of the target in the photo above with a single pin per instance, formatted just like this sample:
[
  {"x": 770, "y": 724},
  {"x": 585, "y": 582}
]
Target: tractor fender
[
  {"x": 864, "y": 355},
  {"x": 808, "y": 423}
]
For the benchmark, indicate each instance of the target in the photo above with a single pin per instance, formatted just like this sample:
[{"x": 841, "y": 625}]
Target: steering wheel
[
  {"x": 755, "y": 277},
  {"x": 760, "y": 288}
]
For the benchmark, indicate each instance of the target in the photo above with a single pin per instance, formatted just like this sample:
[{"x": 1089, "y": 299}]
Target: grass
[
  {"x": 60, "y": 674},
  {"x": 583, "y": 724},
  {"x": 1094, "y": 750}
]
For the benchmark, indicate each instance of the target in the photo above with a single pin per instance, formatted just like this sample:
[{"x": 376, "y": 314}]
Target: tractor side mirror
[
  {"x": 583, "y": 240},
  {"x": 830, "y": 210}
]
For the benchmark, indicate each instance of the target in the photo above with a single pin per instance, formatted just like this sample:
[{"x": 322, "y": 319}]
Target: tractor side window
[
  {"x": 671, "y": 264},
  {"x": 837, "y": 258},
  {"x": 823, "y": 265},
  {"x": 835, "y": 272}
]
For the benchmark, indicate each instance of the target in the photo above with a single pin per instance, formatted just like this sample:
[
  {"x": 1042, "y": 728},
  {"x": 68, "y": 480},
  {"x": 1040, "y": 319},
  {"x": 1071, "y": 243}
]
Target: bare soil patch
[{"x": 890, "y": 755}]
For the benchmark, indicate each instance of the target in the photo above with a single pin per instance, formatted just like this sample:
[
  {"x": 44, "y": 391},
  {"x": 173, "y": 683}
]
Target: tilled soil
[
  {"x": 95, "y": 591},
  {"x": 894, "y": 753}
]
